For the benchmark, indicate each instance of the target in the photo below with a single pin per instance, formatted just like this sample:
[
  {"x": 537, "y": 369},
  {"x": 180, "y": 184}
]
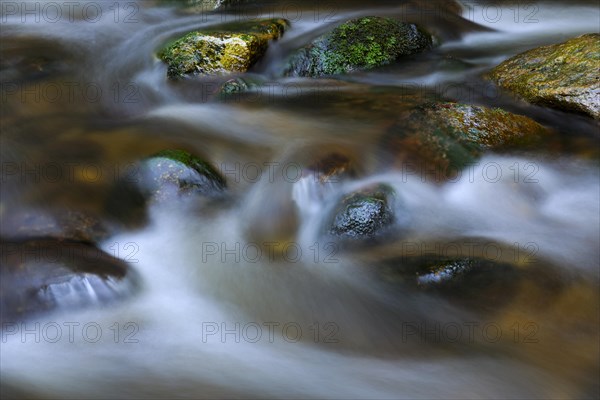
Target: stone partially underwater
[
  {"x": 225, "y": 49},
  {"x": 45, "y": 274},
  {"x": 564, "y": 76},
  {"x": 440, "y": 139},
  {"x": 358, "y": 44}
]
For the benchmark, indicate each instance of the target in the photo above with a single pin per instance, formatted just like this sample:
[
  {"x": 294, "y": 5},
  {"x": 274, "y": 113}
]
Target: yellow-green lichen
[
  {"x": 232, "y": 48},
  {"x": 564, "y": 76}
]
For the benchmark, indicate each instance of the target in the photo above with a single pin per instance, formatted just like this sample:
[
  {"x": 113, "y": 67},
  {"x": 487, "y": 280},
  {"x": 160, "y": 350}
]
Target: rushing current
[{"x": 217, "y": 311}]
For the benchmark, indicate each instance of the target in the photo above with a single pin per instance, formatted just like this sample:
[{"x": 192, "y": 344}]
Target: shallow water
[{"x": 247, "y": 298}]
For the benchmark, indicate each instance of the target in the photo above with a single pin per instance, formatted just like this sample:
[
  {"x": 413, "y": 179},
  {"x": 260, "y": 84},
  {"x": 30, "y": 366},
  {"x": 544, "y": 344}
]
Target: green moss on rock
[
  {"x": 445, "y": 137},
  {"x": 165, "y": 176},
  {"x": 181, "y": 170},
  {"x": 359, "y": 44},
  {"x": 232, "y": 48},
  {"x": 564, "y": 76}
]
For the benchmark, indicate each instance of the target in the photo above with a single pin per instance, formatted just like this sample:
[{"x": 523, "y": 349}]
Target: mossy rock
[
  {"x": 443, "y": 138},
  {"x": 45, "y": 274},
  {"x": 232, "y": 48},
  {"x": 364, "y": 214},
  {"x": 166, "y": 176},
  {"x": 564, "y": 76},
  {"x": 179, "y": 172},
  {"x": 359, "y": 44}
]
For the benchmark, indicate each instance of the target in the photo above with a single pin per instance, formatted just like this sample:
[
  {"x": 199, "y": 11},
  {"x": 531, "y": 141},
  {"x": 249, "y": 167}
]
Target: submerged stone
[
  {"x": 331, "y": 168},
  {"x": 564, "y": 76},
  {"x": 359, "y": 44},
  {"x": 46, "y": 274},
  {"x": 441, "y": 272},
  {"x": 237, "y": 85},
  {"x": 233, "y": 47},
  {"x": 475, "y": 281},
  {"x": 364, "y": 214},
  {"x": 62, "y": 224},
  {"x": 443, "y": 138}
]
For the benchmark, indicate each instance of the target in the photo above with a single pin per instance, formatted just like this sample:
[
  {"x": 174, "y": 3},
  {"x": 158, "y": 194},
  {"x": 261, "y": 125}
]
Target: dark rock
[
  {"x": 364, "y": 214},
  {"x": 46, "y": 274},
  {"x": 477, "y": 283},
  {"x": 62, "y": 224}
]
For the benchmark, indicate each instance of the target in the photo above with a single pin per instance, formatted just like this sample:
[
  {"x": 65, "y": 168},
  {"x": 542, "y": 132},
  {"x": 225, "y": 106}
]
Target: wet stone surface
[{"x": 38, "y": 276}]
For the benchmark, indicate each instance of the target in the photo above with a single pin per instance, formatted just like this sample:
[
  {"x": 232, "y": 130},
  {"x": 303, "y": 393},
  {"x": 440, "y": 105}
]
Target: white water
[{"x": 187, "y": 290}]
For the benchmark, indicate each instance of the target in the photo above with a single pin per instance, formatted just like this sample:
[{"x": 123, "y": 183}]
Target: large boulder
[
  {"x": 231, "y": 48},
  {"x": 358, "y": 44},
  {"x": 564, "y": 76}
]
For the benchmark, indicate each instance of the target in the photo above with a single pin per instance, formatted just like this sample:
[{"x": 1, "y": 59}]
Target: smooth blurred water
[{"x": 330, "y": 324}]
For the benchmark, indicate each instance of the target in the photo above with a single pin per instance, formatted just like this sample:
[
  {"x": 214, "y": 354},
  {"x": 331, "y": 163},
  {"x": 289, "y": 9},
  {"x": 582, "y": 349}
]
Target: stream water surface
[{"x": 218, "y": 312}]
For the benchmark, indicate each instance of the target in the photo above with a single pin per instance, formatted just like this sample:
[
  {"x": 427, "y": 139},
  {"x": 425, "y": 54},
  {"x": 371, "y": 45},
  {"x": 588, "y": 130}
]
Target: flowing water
[{"x": 219, "y": 312}]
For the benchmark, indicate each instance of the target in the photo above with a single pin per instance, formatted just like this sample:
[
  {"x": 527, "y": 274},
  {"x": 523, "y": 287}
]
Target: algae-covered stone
[
  {"x": 230, "y": 48},
  {"x": 564, "y": 76},
  {"x": 441, "y": 138},
  {"x": 359, "y": 44},
  {"x": 364, "y": 214}
]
